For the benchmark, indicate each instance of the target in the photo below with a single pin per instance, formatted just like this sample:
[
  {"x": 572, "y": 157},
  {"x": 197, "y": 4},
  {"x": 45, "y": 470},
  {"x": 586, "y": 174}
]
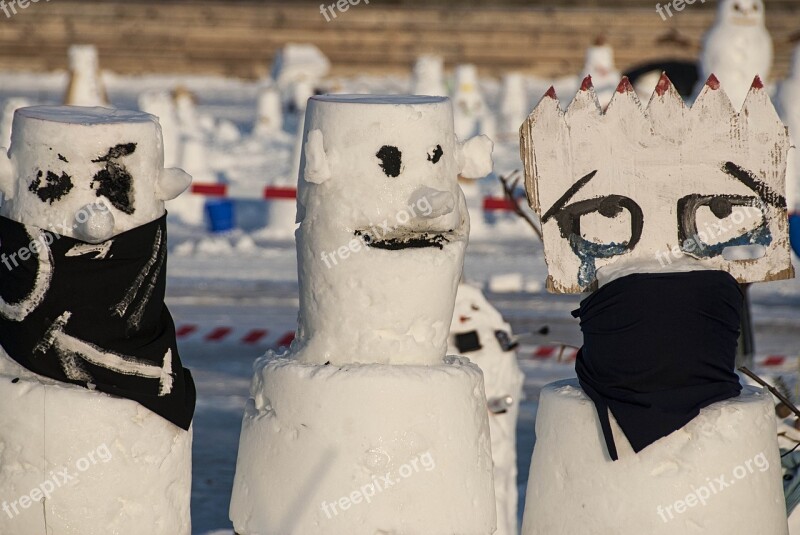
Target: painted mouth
[{"x": 404, "y": 239}]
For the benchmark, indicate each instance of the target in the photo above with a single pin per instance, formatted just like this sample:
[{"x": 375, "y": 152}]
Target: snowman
[
  {"x": 479, "y": 332},
  {"x": 737, "y": 48},
  {"x": 365, "y": 415},
  {"x": 83, "y": 326}
]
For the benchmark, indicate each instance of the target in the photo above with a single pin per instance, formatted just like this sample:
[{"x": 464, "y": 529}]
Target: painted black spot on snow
[
  {"x": 15, "y": 380},
  {"x": 391, "y": 160},
  {"x": 114, "y": 182},
  {"x": 62, "y": 158},
  {"x": 54, "y": 187},
  {"x": 436, "y": 155},
  {"x": 418, "y": 241}
]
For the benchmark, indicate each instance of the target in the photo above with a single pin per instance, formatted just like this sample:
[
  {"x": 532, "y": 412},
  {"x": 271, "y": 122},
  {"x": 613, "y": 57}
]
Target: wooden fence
[{"x": 239, "y": 38}]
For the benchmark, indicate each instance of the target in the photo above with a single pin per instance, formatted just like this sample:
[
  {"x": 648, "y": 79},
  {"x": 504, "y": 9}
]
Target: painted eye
[
  {"x": 435, "y": 154},
  {"x": 620, "y": 238},
  {"x": 391, "y": 160},
  {"x": 708, "y": 225},
  {"x": 51, "y": 188}
]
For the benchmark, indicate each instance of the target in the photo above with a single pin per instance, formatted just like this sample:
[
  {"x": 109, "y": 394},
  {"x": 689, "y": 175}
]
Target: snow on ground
[{"x": 248, "y": 277}]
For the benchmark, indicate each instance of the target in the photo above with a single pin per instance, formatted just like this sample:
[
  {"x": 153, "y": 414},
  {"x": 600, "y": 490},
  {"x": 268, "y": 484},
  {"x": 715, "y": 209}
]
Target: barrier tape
[
  {"x": 231, "y": 191},
  {"x": 567, "y": 355}
]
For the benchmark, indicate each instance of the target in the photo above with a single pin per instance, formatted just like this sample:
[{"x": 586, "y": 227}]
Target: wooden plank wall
[{"x": 239, "y": 38}]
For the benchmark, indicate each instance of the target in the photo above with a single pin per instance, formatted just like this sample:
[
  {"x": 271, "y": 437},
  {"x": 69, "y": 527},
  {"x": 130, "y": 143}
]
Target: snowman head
[
  {"x": 87, "y": 173},
  {"x": 371, "y": 159},
  {"x": 383, "y": 227},
  {"x": 742, "y": 12}
]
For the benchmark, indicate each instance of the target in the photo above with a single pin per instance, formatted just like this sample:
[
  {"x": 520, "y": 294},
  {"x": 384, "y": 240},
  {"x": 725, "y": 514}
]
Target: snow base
[
  {"x": 672, "y": 486},
  {"x": 318, "y": 443},
  {"x": 109, "y": 465}
]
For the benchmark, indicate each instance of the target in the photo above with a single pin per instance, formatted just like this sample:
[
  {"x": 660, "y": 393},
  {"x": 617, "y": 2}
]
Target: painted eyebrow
[
  {"x": 560, "y": 203},
  {"x": 749, "y": 179}
]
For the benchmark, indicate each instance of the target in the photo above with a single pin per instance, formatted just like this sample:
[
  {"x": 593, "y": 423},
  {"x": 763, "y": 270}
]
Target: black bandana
[
  {"x": 657, "y": 348},
  {"x": 94, "y": 315}
]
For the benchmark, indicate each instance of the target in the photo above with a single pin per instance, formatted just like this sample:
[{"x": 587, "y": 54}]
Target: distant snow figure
[
  {"x": 162, "y": 105},
  {"x": 295, "y": 64},
  {"x": 601, "y": 67},
  {"x": 270, "y": 112},
  {"x": 481, "y": 334},
  {"x": 514, "y": 105},
  {"x": 85, "y": 85},
  {"x": 788, "y": 104},
  {"x": 737, "y": 48},
  {"x": 428, "y": 77},
  {"x": 11, "y": 105},
  {"x": 469, "y": 107}
]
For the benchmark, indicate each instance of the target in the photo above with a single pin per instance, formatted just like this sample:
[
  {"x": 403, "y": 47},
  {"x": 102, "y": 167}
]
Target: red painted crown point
[
  {"x": 551, "y": 93},
  {"x": 586, "y": 85},
  {"x": 757, "y": 83},
  {"x": 664, "y": 83},
  {"x": 624, "y": 85},
  {"x": 713, "y": 82}
]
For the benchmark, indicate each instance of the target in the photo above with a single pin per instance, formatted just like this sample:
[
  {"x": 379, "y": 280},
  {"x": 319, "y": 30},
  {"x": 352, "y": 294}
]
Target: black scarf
[
  {"x": 657, "y": 348},
  {"x": 94, "y": 315}
]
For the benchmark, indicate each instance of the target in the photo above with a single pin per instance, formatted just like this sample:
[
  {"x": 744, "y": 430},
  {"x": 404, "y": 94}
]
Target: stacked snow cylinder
[
  {"x": 365, "y": 427},
  {"x": 75, "y": 461},
  {"x": 719, "y": 473}
]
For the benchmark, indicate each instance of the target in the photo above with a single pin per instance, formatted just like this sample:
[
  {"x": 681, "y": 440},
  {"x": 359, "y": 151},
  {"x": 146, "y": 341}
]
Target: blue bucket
[
  {"x": 794, "y": 232},
  {"x": 220, "y": 215}
]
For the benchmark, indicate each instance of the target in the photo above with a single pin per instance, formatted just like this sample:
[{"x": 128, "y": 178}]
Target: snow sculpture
[
  {"x": 788, "y": 103},
  {"x": 383, "y": 230},
  {"x": 737, "y": 48},
  {"x": 655, "y": 199},
  {"x": 91, "y": 384},
  {"x": 471, "y": 112},
  {"x": 601, "y": 67},
  {"x": 479, "y": 332},
  {"x": 428, "y": 76},
  {"x": 85, "y": 84}
]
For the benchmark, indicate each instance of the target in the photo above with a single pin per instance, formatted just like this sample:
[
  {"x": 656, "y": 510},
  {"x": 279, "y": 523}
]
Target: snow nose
[
  {"x": 94, "y": 223},
  {"x": 432, "y": 203}
]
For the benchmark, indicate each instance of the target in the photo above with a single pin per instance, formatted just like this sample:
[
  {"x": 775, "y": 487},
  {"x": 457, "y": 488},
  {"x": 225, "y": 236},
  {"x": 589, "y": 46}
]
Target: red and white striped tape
[
  {"x": 232, "y": 191},
  {"x": 219, "y": 334},
  {"x": 567, "y": 355}
]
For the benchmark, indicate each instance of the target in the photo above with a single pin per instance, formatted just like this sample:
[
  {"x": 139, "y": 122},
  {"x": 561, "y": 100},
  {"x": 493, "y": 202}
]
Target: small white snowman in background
[
  {"x": 428, "y": 76},
  {"x": 162, "y": 105},
  {"x": 514, "y": 105},
  {"x": 11, "y": 105},
  {"x": 269, "y": 115},
  {"x": 601, "y": 67},
  {"x": 480, "y": 333},
  {"x": 469, "y": 107},
  {"x": 788, "y": 104},
  {"x": 298, "y": 63},
  {"x": 85, "y": 86},
  {"x": 737, "y": 48}
]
